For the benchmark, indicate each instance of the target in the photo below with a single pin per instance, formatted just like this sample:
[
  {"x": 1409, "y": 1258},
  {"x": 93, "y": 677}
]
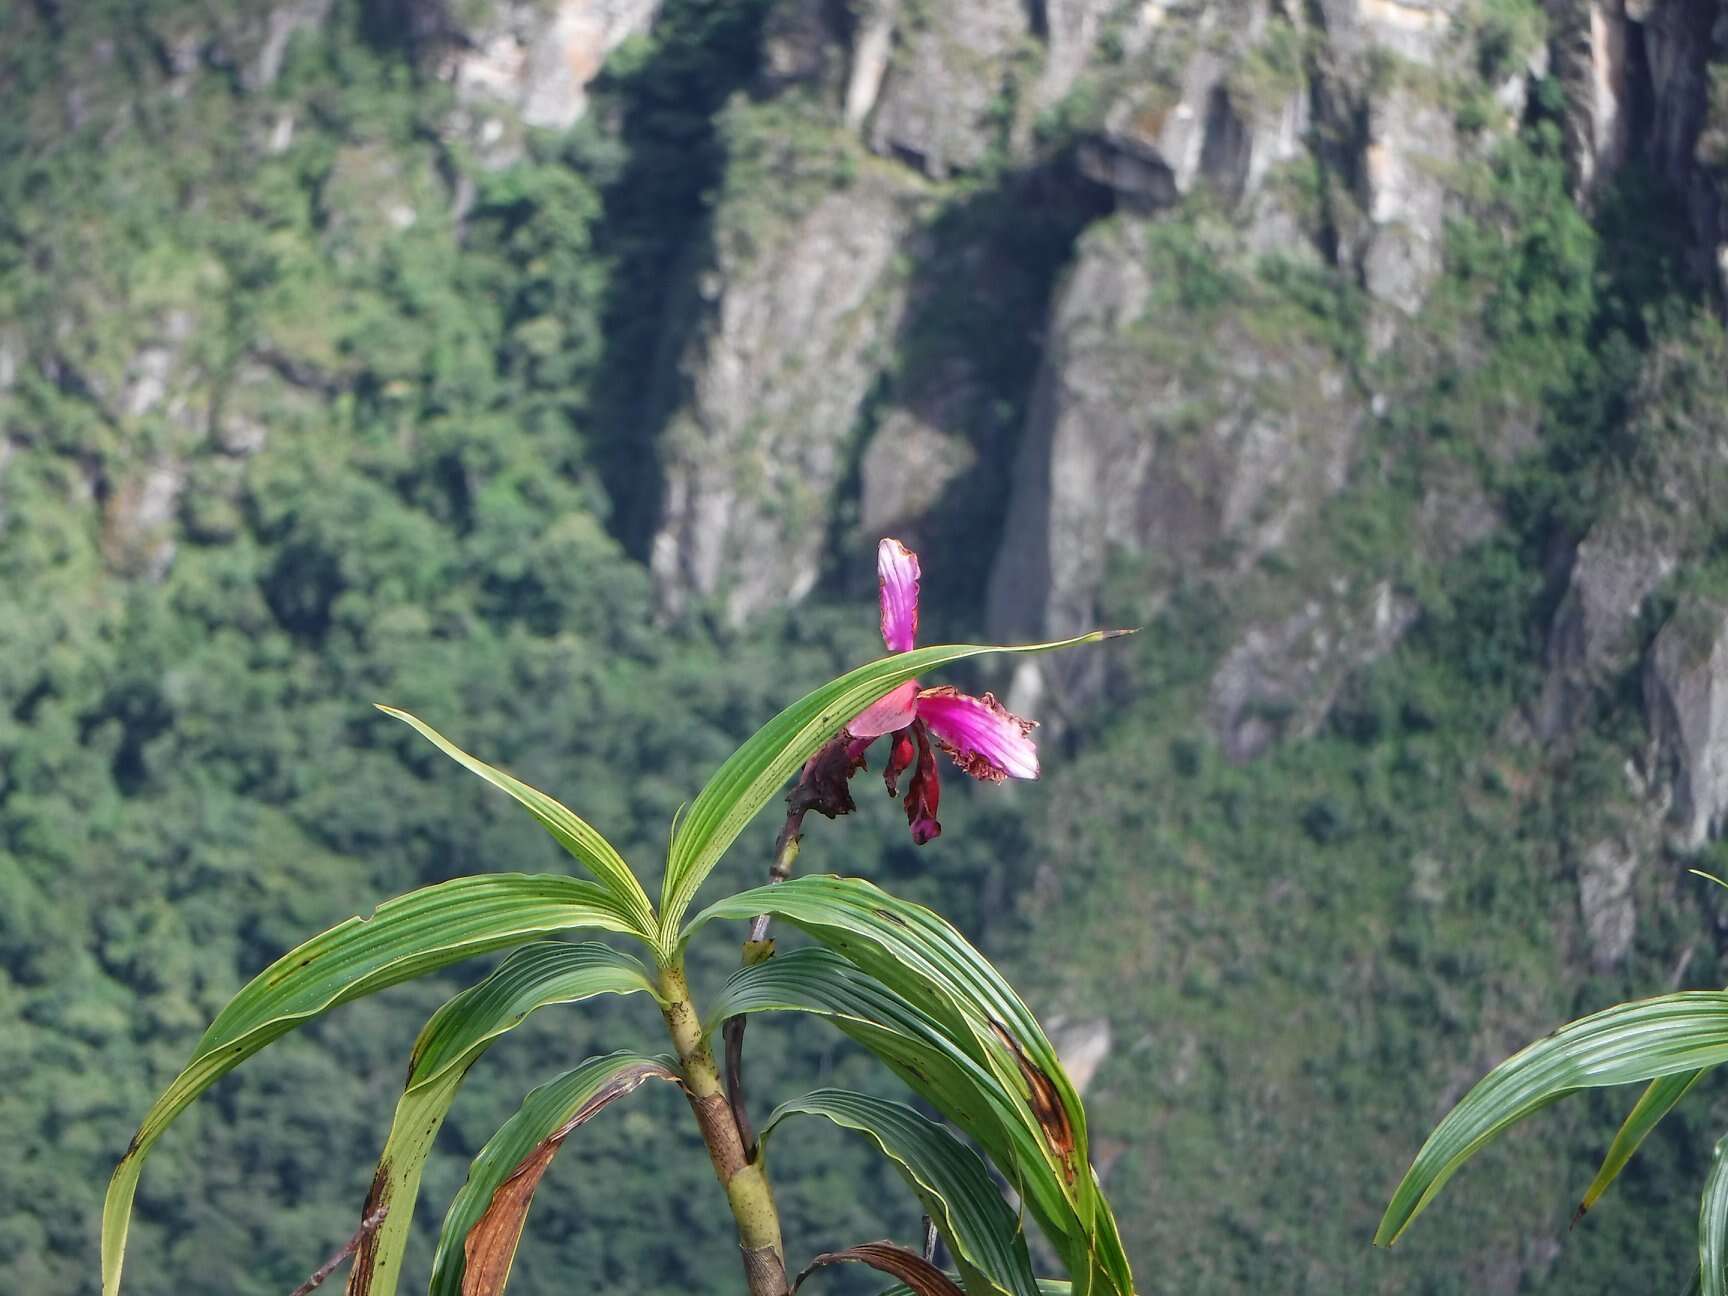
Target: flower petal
[
  {"x": 897, "y": 576},
  {"x": 901, "y": 754},
  {"x": 985, "y": 739},
  {"x": 924, "y": 795},
  {"x": 886, "y": 714},
  {"x": 822, "y": 786}
]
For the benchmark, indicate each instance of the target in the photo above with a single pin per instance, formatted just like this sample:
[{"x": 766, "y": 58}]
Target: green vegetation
[{"x": 301, "y": 407}]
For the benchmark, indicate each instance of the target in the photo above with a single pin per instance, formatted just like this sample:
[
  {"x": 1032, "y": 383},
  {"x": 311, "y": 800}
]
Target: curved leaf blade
[
  {"x": 1624, "y": 1044},
  {"x": 756, "y": 771},
  {"x": 917, "y": 1273},
  {"x": 1661, "y": 1097},
  {"x": 567, "y": 828},
  {"x": 948, "y": 1178},
  {"x": 401, "y": 939},
  {"x": 478, "y": 1241},
  {"x": 971, "y": 1095},
  {"x": 1713, "y": 1226},
  {"x": 920, "y": 955},
  {"x": 535, "y": 976}
]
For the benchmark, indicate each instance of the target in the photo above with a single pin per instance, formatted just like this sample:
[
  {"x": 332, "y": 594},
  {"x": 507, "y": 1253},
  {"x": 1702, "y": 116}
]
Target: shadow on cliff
[
  {"x": 985, "y": 277},
  {"x": 655, "y": 231}
]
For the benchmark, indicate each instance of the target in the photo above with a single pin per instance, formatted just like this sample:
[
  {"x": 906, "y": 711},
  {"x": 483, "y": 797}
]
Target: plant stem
[
  {"x": 745, "y": 1182},
  {"x": 757, "y": 947}
]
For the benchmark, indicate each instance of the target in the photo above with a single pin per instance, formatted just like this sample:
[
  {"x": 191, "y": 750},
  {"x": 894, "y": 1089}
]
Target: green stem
[{"x": 745, "y": 1182}]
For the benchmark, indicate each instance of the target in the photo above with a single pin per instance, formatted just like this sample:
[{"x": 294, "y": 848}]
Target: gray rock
[
  {"x": 1594, "y": 633},
  {"x": 1204, "y": 100},
  {"x": 803, "y": 44},
  {"x": 1199, "y": 441},
  {"x": 872, "y": 47},
  {"x": 771, "y": 382},
  {"x": 1607, "y": 870},
  {"x": 1686, "y": 707},
  {"x": 913, "y": 455},
  {"x": 1662, "y": 512},
  {"x": 947, "y": 81},
  {"x": 1280, "y": 681},
  {"x": 1072, "y": 31},
  {"x": 529, "y": 62},
  {"x": 280, "y": 24},
  {"x": 1637, "y": 75}
]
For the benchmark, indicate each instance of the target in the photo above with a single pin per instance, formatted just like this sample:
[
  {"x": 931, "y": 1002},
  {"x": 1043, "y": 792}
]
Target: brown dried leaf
[
  {"x": 365, "y": 1242},
  {"x": 490, "y": 1247},
  {"x": 909, "y": 1267}
]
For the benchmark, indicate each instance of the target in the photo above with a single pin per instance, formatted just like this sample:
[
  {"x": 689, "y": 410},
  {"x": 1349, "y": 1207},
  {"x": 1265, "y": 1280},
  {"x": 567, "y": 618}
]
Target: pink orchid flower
[{"x": 982, "y": 736}]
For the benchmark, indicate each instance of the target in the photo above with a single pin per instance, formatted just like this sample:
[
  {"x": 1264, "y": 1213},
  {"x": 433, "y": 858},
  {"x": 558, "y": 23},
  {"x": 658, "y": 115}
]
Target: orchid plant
[{"x": 893, "y": 976}]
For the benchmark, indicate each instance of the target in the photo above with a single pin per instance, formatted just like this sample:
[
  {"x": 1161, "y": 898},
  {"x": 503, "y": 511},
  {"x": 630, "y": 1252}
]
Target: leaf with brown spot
[
  {"x": 365, "y": 1244},
  {"x": 958, "y": 1065},
  {"x": 1046, "y": 1103},
  {"x": 535, "y": 976},
  {"x": 949, "y": 1179},
  {"x": 477, "y": 1244},
  {"x": 404, "y": 938},
  {"x": 924, "y": 1278}
]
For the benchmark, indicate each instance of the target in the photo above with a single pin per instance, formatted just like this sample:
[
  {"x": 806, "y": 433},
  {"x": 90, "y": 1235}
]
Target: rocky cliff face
[
  {"x": 1319, "y": 137},
  {"x": 1158, "y": 398},
  {"x": 1327, "y": 137}
]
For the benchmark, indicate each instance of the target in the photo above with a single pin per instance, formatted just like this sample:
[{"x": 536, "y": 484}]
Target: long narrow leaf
[
  {"x": 922, "y": 1277},
  {"x": 918, "y": 1049},
  {"x": 402, "y": 939},
  {"x": 1046, "y": 1287},
  {"x": 921, "y": 956},
  {"x": 484, "y": 1224},
  {"x": 547, "y": 972},
  {"x": 1713, "y": 1226},
  {"x": 568, "y": 829},
  {"x": 1625, "y": 1044},
  {"x": 948, "y": 1178},
  {"x": 757, "y": 770},
  {"x": 1661, "y": 1097}
]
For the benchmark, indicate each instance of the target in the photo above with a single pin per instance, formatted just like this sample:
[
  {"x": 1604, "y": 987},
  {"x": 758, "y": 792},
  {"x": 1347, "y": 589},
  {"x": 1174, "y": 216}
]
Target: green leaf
[
  {"x": 1046, "y": 1287},
  {"x": 1713, "y": 1226},
  {"x": 951, "y": 1182},
  {"x": 1620, "y": 1045},
  {"x": 568, "y": 829},
  {"x": 922, "y": 957},
  {"x": 534, "y": 976},
  {"x": 918, "y": 1049},
  {"x": 502, "y": 1178},
  {"x": 403, "y": 938},
  {"x": 757, "y": 770},
  {"x": 1662, "y": 1096}
]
